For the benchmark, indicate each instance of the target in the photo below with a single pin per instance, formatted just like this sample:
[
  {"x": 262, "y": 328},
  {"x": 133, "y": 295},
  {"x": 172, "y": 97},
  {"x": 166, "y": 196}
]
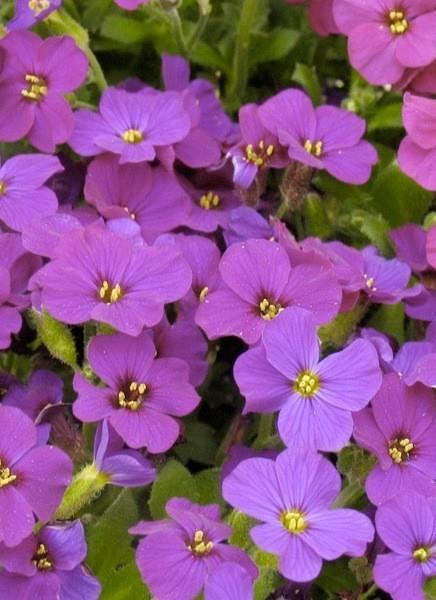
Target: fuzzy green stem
[
  {"x": 240, "y": 64},
  {"x": 99, "y": 78},
  {"x": 178, "y": 31},
  {"x": 349, "y": 495},
  {"x": 264, "y": 431},
  {"x": 86, "y": 485},
  {"x": 372, "y": 590}
]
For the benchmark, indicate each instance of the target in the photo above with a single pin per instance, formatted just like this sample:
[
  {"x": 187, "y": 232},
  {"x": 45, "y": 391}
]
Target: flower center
[
  {"x": 398, "y": 24},
  {"x": 400, "y": 449},
  {"x": 129, "y": 214},
  {"x": 421, "y": 554},
  {"x": 110, "y": 294},
  {"x": 370, "y": 283},
  {"x": 259, "y": 155},
  {"x": 132, "y": 395},
  {"x": 307, "y": 383},
  {"x": 3, "y": 188},
  {"x": 269, "y": 309},
  {"x": 6, "y": 476},
  {"x": 294, "y": 521},
  {"x": 132, "y": 136},
  {"x": 314, "y": 148},
  {"x": 200, "y": 546},
  {"x": 209, "y": 201},
  {"x": 203, "y": 294},
  {"x": 36, "y": 88},
  {"x": 38, "y": 6},
  {"x": 41, "y": 559}
]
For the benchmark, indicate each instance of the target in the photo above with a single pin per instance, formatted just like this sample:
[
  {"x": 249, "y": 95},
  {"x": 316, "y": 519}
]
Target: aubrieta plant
[{"x": 217, "y": 299}]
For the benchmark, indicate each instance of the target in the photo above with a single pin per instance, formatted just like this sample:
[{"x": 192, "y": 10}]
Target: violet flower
[
  {"x": 416, "y": 362},
  {"x": 229, "y": 581},
  {"x": 245, "y": 223},
  {"x": 33, "y": 82},
  {"x": 259, "y": 282},
  {"x": 190, "y": 545},
  {"x": 407, "y": 525},
  {"x": 142, "y": 394},
  {"x": 29, "y": 12},
  {"x": 400, "y": 429},
  {"x": 48, "y": 565},
  {"x": 131, "y": 4},
  {"x": 431, "y": 247},
  {"x": 292, "y": 496},
  {"x": 326, "y": 137},
  {"x": 315, "y": 398},
  {"x": 320, "y": 15},
  {"x": 33, "y": 477}
]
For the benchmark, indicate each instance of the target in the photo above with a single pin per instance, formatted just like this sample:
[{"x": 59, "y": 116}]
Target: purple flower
[
  {"x": 68, "y": 185},
  {"x": 32, "y": 87},
  {"x": 326, "y": 137},
  {"x": 257, "y": 150},
  {"x": 315, "y": 398},
  {"x": 320, "y": 15},
  {"x": 123, "y": 468},
  {"x": 245, "y": 223},
  {"x": 229, "y": 581},
  {"x": 33, "y": 477},
  {"x": 23, "y": 195},
  {"x": 416, "y": 361},
  {"x": 407, "y": 525},
  {"x": 410, "y": 241},
  {"x": 259, "y": 282},
  {"x": 131, "y": 190},
  {"x": 400, "y": 429},
  {"x": 401, "y": 35},
  {"x": 48, "y": 565},
  {"x": 131, "y": 4},
  {"x": 431, "y": 247},
  {"x": 143, "y": 394},
  {"x": 112, "y": 279},
  {"x": 131, "y": 125},
  {"x": 292, "y": 496},
  {"x": 30, "y": 12},
  {"x": 190, "y": 545}
]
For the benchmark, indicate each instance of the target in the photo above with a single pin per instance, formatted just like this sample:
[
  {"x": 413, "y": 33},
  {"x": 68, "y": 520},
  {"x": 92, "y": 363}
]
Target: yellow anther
[
  {"x": 314, "y": 148},
  {"x": 307, "y": 383},
  {"x": 110, "y": 294},
  {"x": 38, "y": 6},
  {"x": 133, "y": 386},
  {"x": 294, "y": 521},
  {"x": 209, "y": 201},
  {"x": 399, "y": 449},
  {"x": 203, "y": 294},
  {"x": 132, "y": 395},
  {"x": 41, "y": 560},
  {"x": 370, "y": 282},
  {"x": 199, "y": 545},
  {"x": 198, "y": 536},
  {"x": 132, "y": 136},
  {"x": 6, "y": 476},
  {"x": 36, "y": 88},
  {"x": 3, "y": 188},
  {"x": 131, "y": 215},
  {"x": 421, "y": 554},
  {"x": 398, "y": 24},
  {"x": 269, "y": 309},
  {"x": 259, "y": 155},
  {"x": 142, "y": 388}
]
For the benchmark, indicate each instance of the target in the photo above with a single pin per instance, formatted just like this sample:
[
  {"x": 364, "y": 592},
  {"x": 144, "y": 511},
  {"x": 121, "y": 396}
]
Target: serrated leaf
[{"x": 173, "y": 480}]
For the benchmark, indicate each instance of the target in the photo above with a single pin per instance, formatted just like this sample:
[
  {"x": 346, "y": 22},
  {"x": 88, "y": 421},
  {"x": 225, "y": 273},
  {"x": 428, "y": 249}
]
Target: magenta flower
[
  {"x": 416, "y": 362},
  {"x": 407, "y": 525},
  {"x": 417, "y": 152},
  {"x": 229, "y": 581},
  {"x": 131, "y": 4},
  {"x": 315, "y": 398},
  {"x": 33, "y": 477},
  {"x": 112, "y": 279},
  {"x": 292, "y": 497},
  {"x": 326, "y": 137},
  {"x": 130, "y": 124},
  {"x": 30, "y": 12},
  {"x": 245, "y": 223},
  {"x": 32, "y": 87},
  {"x": 131, "y": 190},
  {"x": 190, "y": 545},
  {"x": 320, "y": 15},
  {"x": 401, "y": 35},
  {"x": 23, "y": 195},
  {"x": 48, "y": 565},
  {"x": 410, "y": 245},
  {"x": 258, "y": 282},
  {"x": 431, "y": 247},
  {"x": 400, "y": 429},
  {"x": 143, "y": 394}
]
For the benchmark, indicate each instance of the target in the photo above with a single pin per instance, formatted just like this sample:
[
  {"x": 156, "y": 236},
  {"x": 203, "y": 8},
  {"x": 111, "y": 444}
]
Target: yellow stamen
[
  {"x": 314, "y": 148},
  {"x": 132, "y": 136},
  {"x": 421, "y": 554},
  {"x": 38, "y": 6},
  {"x": 307, "y": 383},
  {"x": 3, "y": 188},
  {"x": 110, "y": 294},
  {"x": 41, "y": 560},
  {"x": 294, "y": 521},
  {"x": 203, "y": 294},
  {"x": 259, "y": 156},
  {"x": 199, "y": 545},
  {"x": 209, "y": 201},
  {"x": 370, "y": 282},
  {"x": 131, "y": 215},
  {"x": 269, "y": 309},
  {"x": 400, "y": 449},
  {"x": 6, "y": 476},
  {"x": 36, "y": 88},
  {"x": 398, "y": 24},
  {"x": 132, "y": 395}
]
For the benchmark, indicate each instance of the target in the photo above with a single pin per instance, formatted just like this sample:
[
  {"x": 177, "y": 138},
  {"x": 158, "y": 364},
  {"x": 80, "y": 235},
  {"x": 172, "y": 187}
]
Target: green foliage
[
  {"x": 56, "y": 337},
  {"x": 173, "y": 480}
]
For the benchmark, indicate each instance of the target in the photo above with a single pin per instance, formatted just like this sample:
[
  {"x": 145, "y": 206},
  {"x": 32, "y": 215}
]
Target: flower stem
[
  {"x": 264, "y": 431},
  {"x": 240, "y": 64},
  {"x": 178, "y": 31},
  {"x": 99, "y": 78},
  {"x": 86, "y": 485},
  {"x": 198, "y": 32},
  {"x": 368, "y": 593}
]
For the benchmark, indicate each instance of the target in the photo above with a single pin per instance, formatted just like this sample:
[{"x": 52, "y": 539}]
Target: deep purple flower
[
  {"x": 258, "y": 283},
  {"x": 190, "y": 545},
  {"x": 245, "y": 223},
  {"x": 150, "y": 197},
  {"x": 112, "y": 279},
  {"x": 292, "y": 496},
  {"x": 30, "y": 12},
  {"x": 315, "y": 398},
  {"x": 410, "y": 241},
  {"x": 32, "y": 87},
  {"x": 407, "y": 525},
  {"x": 123, "y": 468},
  {"x": 23, "y": 195},
  {"x": 48, "y": 566},
  {"x": 131, "y": 125},
  {"x": 326, "y": 137},
  {"x": 143, "y": 394},
  {"x": 416, "y": 361},
  {"x": 131, "y": 4},
  {"x": 400, "y": 429},
  {"x": 431, "y": 247},
  {"x": 68, "y": 185},
  {"x": 229, "y": 581},
  {"x": 33, "y": 477}
]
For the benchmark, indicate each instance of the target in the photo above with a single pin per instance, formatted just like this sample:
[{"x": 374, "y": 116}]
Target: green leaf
[
  {"x": 430, "y": 588},
  {"x": 56, "y": 337},
  {"x": 355, "y": 463},
  {"x": 16, "y": 364},
  {"x": 389, "y": 319},
  {"x": 374, "y": 227},
  {"x": 399, "y": 199},
  {"x": 241, "y": 525},
  {"x": 336, "y": 333},
  {"x": 173, "y": 480},
  {"x": 308, "y": 78},
  {"x": 208, "y": 483},
  {"x": 316, "y": 218},
  {"x": 94, "y": 13},
  {"x": 266, "y": 583},
  {"x": 200, "y": 444},
  {"x": 336, "y": 578},
  {"x": 387, "y": 117},
  {"x": 124, "y": 30},
  {"x": 271, "y": 46}
]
